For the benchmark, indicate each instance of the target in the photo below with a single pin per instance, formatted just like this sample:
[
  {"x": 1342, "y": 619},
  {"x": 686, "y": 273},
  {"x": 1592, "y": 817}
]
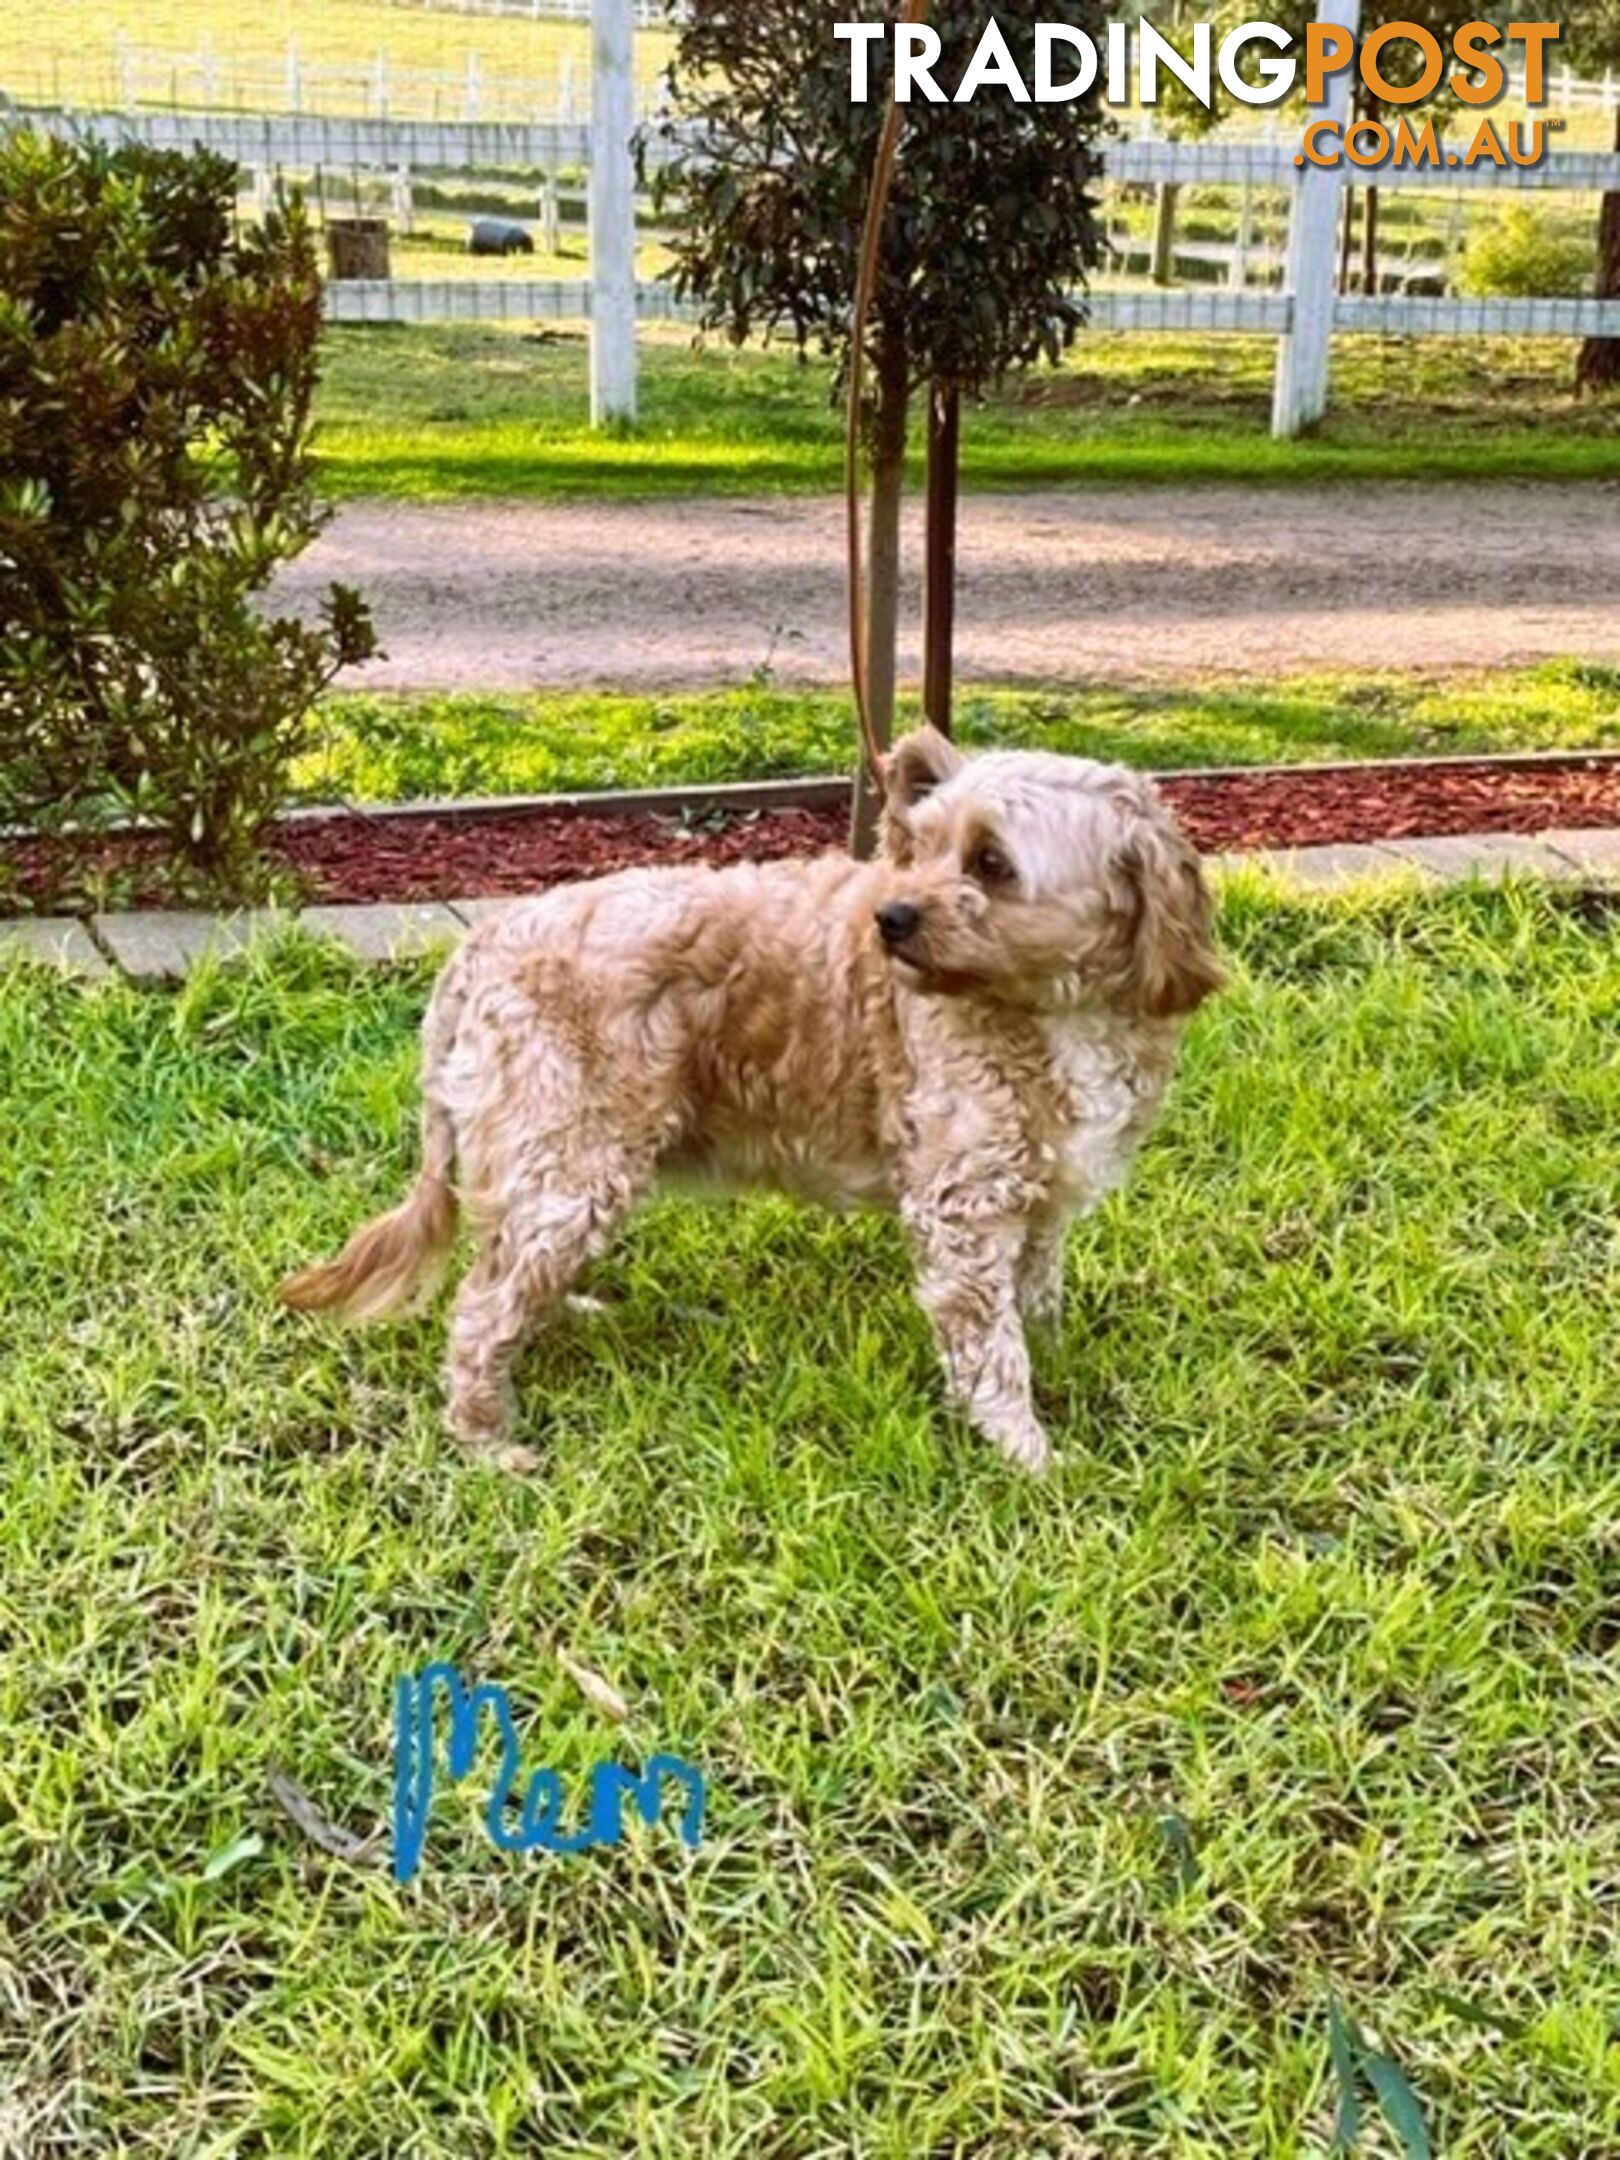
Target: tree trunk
[
  {"x": 883, "y": 579},
  {"x": 1599, "y": 365},
  {"x": 939, "y": 618},
  {"x": 1164, "y": 232},
  {"x": 1347, "y": 234},
  {"x": 1369, "y": 243}
]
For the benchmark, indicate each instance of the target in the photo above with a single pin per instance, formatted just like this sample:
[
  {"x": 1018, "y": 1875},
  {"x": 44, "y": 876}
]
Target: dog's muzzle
[{"x": 898, "y": 923}]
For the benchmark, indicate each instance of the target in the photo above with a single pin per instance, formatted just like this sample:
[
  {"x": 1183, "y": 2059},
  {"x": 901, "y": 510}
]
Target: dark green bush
[{"x": 157, "y": 366}]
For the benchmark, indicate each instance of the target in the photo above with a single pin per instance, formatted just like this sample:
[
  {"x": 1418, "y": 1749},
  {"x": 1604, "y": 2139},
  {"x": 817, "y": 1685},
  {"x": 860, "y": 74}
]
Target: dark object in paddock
[
  {"x": 357, "y": 247},
  {"x": 499, "y": 236}
]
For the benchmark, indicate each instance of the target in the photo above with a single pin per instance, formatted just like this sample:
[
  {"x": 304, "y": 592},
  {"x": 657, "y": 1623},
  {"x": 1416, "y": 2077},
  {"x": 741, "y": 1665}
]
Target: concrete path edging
[{"x": 164, "y": 946}]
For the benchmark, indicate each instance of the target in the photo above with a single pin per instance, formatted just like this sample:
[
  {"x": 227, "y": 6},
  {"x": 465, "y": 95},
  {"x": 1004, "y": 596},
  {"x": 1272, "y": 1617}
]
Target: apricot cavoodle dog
[{"x": 975, "y": 1030}]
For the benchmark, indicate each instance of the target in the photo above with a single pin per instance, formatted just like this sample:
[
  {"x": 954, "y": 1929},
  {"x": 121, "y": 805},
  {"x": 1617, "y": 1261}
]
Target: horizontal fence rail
[
  {"x": 305, "y": 140},
  {"x": 1158, "y": 161},
  {"x": 1401, "y": 315},
  {"x": 302, "y": 141},
  {"x": 1256, "y": 314}
]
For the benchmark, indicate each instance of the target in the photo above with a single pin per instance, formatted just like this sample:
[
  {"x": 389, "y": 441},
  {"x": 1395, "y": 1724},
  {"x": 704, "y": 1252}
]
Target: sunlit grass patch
[
  {"x": 392, "y": 747},
  {"x": 440, "y": 413}
]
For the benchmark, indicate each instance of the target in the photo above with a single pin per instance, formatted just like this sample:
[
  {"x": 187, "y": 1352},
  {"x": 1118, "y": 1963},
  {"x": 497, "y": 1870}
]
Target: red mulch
[
  {"x": 523, "y": 851},
  {"x": 349, "y": 858},
  {"x": 1301, "y": 808}
]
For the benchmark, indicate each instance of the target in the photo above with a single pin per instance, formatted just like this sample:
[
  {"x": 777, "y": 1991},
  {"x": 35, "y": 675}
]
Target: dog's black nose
[{"x": 897, "y": 922}]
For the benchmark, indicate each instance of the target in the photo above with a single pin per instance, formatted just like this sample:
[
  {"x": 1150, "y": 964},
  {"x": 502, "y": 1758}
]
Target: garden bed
[{"x": 494, "y": 849}]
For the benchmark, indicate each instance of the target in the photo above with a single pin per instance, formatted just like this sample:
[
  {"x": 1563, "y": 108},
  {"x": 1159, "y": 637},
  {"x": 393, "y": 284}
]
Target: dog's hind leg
[
  {"x": 1040, "y": 1273},
  {"x": 547, "y": 1232},
  {"x": 968, "y": 1285}
]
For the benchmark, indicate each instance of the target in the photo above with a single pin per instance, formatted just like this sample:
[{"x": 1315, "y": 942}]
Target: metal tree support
[{"x": 939, "y": 618}]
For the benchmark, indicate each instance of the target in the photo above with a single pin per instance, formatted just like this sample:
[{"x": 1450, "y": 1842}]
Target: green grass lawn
[
  {"x": 491, "y": 411},
  {"x": 397, "y": 747},
  {"x": 70, "y": 53},
  {"x": 1045, "y": 1820}
]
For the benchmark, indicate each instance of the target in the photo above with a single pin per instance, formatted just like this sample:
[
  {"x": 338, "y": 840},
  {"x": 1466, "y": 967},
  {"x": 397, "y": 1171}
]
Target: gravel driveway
[{"x": 1060, "y": 586}]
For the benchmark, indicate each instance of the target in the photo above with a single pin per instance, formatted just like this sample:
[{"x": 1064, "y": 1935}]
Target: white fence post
[
  {"x": 1300, "y": 394},
  {"x": 613, "y": 211}
]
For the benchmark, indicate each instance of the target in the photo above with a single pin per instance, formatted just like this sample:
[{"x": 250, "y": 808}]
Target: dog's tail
[{"x": 394, "y": 1265}]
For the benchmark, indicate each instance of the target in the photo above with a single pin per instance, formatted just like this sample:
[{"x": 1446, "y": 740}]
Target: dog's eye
[{"x": 990, "y": 867}]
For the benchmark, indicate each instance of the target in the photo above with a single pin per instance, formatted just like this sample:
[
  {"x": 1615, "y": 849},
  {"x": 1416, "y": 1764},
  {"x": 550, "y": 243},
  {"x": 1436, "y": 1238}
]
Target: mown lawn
[
  {"x": 70, "y": 51},
  {"x": 1045, "y": 1820},
  {"x": 383, "y": 747},
  {"x": 434, "y": 414}
]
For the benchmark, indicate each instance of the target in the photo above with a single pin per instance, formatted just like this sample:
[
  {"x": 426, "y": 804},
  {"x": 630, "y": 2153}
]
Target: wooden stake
[{"x": 939, "y": 621}]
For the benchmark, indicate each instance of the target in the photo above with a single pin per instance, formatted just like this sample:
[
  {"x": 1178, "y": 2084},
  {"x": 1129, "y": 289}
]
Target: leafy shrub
[
  {"x": 1521, "y": 255},
  {"x": 157, "y": 367}
]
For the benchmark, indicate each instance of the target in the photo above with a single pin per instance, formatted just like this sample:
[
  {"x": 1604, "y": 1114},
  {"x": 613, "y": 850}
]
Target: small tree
[
  {"x": 992, "y": 226},
  {"x": 156, "y": 375}
]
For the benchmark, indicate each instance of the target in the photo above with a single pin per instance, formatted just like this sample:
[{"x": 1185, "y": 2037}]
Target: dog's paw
[
  {"x": 480, "y": 1421},
  {"x": 510, "y": 1457},
  {"x": 1026, "y": 1446}
]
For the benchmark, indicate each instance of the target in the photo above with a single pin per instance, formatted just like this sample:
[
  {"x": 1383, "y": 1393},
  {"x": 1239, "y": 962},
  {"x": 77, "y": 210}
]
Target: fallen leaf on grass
[
  {"x": 342, "y": 1844},
  {"x": 595, "y": 1689}
]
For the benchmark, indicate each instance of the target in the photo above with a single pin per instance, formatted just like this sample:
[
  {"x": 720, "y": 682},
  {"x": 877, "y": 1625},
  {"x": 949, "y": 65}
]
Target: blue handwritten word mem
[{"x": 538, "y": 1828}]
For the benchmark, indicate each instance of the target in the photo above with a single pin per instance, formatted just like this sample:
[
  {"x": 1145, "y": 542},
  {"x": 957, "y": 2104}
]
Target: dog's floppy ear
[
  {"x": 1173, "y": 966},
  {"x": 918, "y": 763}
]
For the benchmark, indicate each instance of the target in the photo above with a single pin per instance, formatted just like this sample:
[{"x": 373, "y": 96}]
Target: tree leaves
[{"x": 993, "y": 221}]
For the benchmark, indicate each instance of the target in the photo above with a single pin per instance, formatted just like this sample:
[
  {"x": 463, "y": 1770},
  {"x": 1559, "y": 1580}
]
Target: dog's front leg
[{"x": 967, "y": 1282}]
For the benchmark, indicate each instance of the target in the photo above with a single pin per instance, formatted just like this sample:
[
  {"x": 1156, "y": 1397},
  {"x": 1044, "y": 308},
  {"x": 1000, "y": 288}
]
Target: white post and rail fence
[{"x": 1304, "y": 317}]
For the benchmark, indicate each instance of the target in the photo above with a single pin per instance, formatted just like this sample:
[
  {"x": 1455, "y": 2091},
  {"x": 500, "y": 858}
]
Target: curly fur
[{"x": 984, "y": 1062}]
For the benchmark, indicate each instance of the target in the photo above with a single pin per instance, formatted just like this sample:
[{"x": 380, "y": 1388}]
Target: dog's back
[{"x": 745, "y": 1011}]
